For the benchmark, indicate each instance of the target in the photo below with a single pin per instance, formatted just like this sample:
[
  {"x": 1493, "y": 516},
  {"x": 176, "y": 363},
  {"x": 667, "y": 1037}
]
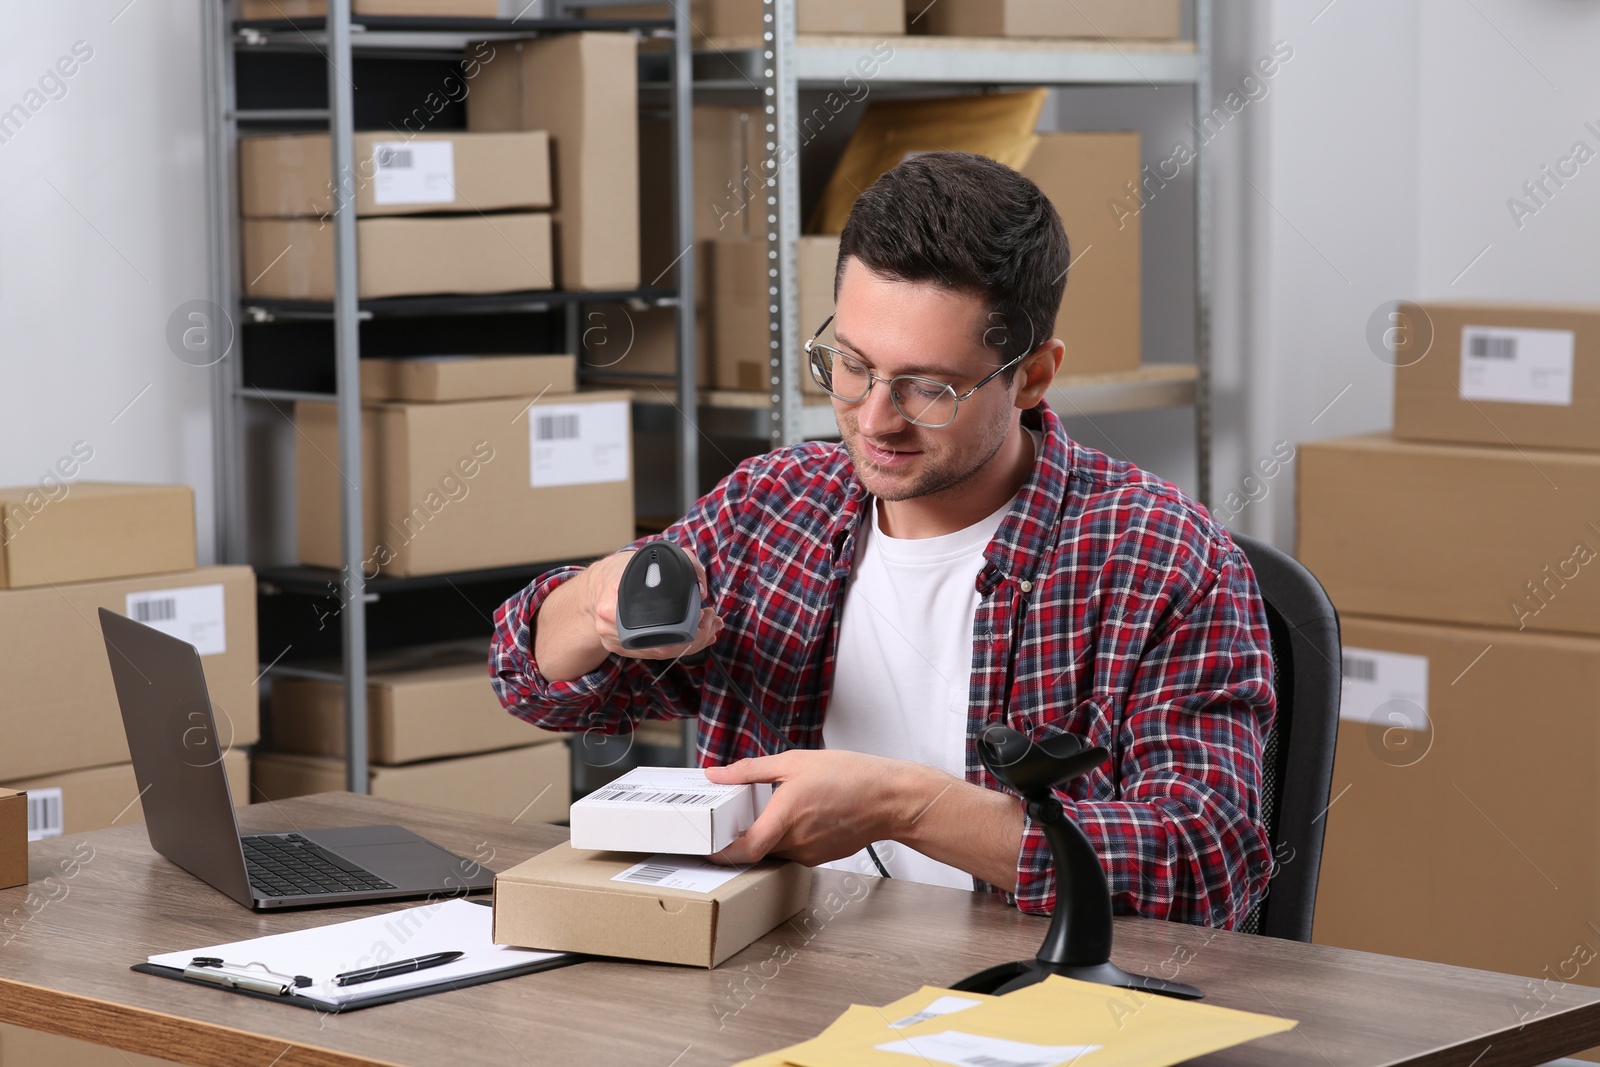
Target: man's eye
[{"x": 923, "y": 390}]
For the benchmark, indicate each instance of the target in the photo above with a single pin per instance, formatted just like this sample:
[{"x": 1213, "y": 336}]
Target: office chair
[{"x": 1297, "y": 764}]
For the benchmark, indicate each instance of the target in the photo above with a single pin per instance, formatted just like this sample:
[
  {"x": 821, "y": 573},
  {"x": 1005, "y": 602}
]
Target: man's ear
[{"x": 1038, "y": 371}]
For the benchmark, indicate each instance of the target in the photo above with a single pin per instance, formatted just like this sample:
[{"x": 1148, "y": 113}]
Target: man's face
[{"x": 896, "y": 327}]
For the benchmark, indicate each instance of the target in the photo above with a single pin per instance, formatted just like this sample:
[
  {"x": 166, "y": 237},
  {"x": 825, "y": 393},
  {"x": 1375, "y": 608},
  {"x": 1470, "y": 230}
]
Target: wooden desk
[{"x": 65, "y": 970}]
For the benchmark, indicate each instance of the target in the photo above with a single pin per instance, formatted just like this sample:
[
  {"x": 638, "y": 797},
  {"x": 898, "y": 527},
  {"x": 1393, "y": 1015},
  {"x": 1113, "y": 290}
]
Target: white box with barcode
[{"x": 675, "y": 810}]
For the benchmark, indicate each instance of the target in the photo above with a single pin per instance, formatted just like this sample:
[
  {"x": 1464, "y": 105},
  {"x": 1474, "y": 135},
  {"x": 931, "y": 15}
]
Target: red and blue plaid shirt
[{"x": 1133, "y": 619}]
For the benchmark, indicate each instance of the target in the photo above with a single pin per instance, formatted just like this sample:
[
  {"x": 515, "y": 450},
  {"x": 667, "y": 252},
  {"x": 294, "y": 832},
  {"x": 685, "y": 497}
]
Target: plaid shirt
[{"x": 1133, "y": 621}]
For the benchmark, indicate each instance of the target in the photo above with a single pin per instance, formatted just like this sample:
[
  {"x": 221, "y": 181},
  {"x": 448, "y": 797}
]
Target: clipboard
[{"x": 328, "y": 950}]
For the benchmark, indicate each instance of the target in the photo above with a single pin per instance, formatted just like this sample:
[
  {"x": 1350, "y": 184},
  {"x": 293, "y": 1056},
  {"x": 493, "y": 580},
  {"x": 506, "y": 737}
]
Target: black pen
[{"x": 399, "y": 967}]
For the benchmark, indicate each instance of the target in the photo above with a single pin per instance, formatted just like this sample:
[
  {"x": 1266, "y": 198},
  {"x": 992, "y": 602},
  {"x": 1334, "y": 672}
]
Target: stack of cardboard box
[
  {"x": 470, "y": 463},
  {"x": 1460, "y": 552},
  {"x": 437, "y": 735},
  {"x": 1135, "y": 20},
  {"x": 68, "y": 549}
]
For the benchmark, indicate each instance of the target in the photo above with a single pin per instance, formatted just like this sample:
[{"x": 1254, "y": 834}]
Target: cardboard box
[
  {"x": 531, "y": 784},
  {"x": 666, "y": 809},
  {"x": 1082, "y": 174},
  {"x": 443, "y": 378},
  {"x": 740, "y": 329},
  {"x": 742, "y": 18},
  {"x": 583, "y": 89},
  {"x": 441, "y": 704},
  {"x": 567, "y": 900},
  {"x": 1452, "y": 826},
  {"x": 636, "y": 347},
  {"x": 85, "y": 531},
  {"x": 997, "y": 125},
  {"x": 300, "y": 9},
  {"x": 13, "y": 838},
  {"x": 292, "y": 259},
  {"x": 21, "y": 1047},
  {"x": 75, "y": 802},
  {"x": 470, "y": 485},
  {"x": 1497, "y": 374},
  {"x": 290, "y": 175},
  {"x": 1146, "y": 20},
  {"x": 1463, "y": 533},
  {"x": 729, "y": 196},
  {"x": 60, "y": 707}
]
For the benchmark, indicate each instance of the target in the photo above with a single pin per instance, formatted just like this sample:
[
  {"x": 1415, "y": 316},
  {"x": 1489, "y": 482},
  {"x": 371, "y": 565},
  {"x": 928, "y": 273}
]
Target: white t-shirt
[{"x": 904, "y": 663}]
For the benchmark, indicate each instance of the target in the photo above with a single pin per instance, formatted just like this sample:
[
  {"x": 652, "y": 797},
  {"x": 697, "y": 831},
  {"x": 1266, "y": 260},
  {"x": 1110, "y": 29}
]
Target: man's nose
[{"x": 876, "y": 416}]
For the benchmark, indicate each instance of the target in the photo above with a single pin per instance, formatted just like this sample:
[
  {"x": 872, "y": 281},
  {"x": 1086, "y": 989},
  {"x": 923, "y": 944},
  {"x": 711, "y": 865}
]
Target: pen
[{"x": 399, "y": 967}]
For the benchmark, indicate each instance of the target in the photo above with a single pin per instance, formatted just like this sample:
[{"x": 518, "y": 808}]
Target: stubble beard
[{"x": 935, "y": 477}]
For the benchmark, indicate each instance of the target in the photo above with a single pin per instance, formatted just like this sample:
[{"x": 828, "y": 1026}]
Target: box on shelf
[
  {"x": 290, "y": 175},
  {"x": 583, "y": 89},
  {"x": 446, "y": 378},
  {"x": 997, "y": 125},
  {"x": 1084, "y": 175},
  {"x": 55, "y": 681},
  {"x": 75, "y": 802},
  {"x": 622, "y": 343},
  {"x": 740, "y": 329},
  {"x": 1453, "y": 533},
  {"x": 302, "y": 9},
  {"x": 570, "y": 900},
  {"x": 13, "y": 838},
  {"x": 86, "y": 531},
  {"x": 530, "y": 784},
  {"x": 421, "y": 706},
  {"x": 666, "y": 809},
  {"x": 729, "y": 154},
  {"x": 471, "y": 485},
  {"x": 1148, "y": 20},
  {"x": 1497, "y": 374},
  {"x": 292, "y": 259},
  {"x": 1455, "y": 747},
  {"x": 742, "y": 18}
]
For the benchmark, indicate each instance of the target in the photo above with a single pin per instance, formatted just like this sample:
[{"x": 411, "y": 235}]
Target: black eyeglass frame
[{"x": 813, "y": 346}]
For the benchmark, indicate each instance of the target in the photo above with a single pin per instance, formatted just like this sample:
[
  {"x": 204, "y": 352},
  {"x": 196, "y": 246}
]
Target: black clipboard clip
[{"x": 256, "y": 977}]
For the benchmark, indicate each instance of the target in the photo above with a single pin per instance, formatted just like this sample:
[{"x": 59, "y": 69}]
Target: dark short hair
[{"x": 970, "y": 224}]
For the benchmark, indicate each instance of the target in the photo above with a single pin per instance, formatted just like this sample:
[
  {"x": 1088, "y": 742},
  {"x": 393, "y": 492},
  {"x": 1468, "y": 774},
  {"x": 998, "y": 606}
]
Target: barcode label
[
  {"x": 632, "y": 796},
  {"x": 557, "y": 427},
  {"x": 1489, "y": 346},
  {"x": 1360, "y": 668},
  {"x": 978, "y": 1050},
  {"x": 392, "y": 158},
  {"x": 148, "y": 611},
  {"x": 46, "y": 814},
  {"x": 650, "y": 873},
  {"x": 1517, "y": 366},
  {"x": 679, "y": 872},
  {"x": 196, "y": 614},
  {"x": 414, "y": 172}
]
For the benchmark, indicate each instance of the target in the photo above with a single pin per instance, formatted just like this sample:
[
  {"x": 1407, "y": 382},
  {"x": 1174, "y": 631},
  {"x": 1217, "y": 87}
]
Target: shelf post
[
  {"x": 347, "y": 356},
  {"x": 688, "y": 438},
  {"x": 781, "y": 184},
  {"x": 1202, "y": 254}
]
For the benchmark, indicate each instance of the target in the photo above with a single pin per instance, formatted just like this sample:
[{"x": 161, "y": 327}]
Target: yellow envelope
[
  {"x": 1055, "y": 1022},
  {"x": 927, "y": 1002}
]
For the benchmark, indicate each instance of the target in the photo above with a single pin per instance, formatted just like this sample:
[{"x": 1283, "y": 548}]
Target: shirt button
[{"x": 1027, "y": 586}]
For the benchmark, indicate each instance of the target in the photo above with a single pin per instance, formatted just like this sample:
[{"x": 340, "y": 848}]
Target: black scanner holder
[{"x": 1078, "y": 943}]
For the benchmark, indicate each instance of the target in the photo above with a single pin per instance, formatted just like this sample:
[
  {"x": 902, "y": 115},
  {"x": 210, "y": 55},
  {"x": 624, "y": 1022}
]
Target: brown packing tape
[{"x": 997, "y": 125}]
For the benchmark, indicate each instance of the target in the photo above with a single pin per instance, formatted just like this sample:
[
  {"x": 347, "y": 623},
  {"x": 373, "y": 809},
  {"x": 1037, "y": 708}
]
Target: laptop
[{"x": 188, "y": 810}]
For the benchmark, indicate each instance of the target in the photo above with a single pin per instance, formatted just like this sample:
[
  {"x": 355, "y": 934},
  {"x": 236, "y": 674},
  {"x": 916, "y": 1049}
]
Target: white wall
[{"x": 101, "y": 238}]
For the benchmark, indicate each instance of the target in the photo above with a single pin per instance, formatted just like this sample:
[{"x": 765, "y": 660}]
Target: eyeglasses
[{"x": 924, "y": 402}]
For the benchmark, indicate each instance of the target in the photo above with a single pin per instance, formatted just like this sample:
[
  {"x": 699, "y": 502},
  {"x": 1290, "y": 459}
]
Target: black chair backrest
[{"x": 1297, "y": 766}]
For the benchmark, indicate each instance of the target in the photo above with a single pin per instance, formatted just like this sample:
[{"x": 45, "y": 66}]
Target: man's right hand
[{"x": 576, "y": 628}]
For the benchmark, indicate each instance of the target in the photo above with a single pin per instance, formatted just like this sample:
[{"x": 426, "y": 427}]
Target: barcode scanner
[
  {"x": 658, "y": 604},
  {"x": 658, "y": 598}
]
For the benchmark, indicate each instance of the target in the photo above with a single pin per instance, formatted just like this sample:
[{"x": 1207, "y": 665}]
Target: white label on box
[
  {"x": 942, "y": 1006},
  {"x": 1374, "y": 681},
  {"x": 978, "y": 1050},
  {"x": 1517, "y": 366},
  {"x": 676, "y": 872},
  {"x": 46, "y": 814},
  {"x": 414, "y": 172},
  {"x": 577, "y": 444},
  {"x": 196, "y": 614}
]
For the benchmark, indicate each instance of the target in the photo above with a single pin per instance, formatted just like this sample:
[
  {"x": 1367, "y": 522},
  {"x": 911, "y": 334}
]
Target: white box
[{"x": 666, "y": 809}]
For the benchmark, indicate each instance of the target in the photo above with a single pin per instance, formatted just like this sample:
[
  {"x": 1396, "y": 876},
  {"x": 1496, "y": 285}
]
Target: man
[{"x": 956, "y": 561}]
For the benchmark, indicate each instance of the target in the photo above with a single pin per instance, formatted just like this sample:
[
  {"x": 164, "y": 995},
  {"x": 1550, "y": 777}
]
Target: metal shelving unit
[
  {"x": 338, "y": 39},
  {"x": 781, "y": 63}
]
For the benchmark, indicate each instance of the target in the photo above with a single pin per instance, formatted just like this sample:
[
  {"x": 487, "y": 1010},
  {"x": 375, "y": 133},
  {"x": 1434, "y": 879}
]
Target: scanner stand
[{"x": 1078, "y": 944}]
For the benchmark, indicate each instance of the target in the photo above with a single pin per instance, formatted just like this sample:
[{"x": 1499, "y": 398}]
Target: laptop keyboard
[{"x": 291, "y": 866}]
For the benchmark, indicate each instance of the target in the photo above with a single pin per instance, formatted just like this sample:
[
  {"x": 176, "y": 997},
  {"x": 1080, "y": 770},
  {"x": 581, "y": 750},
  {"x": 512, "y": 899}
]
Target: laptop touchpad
[{"x": 409, "y": 862}]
